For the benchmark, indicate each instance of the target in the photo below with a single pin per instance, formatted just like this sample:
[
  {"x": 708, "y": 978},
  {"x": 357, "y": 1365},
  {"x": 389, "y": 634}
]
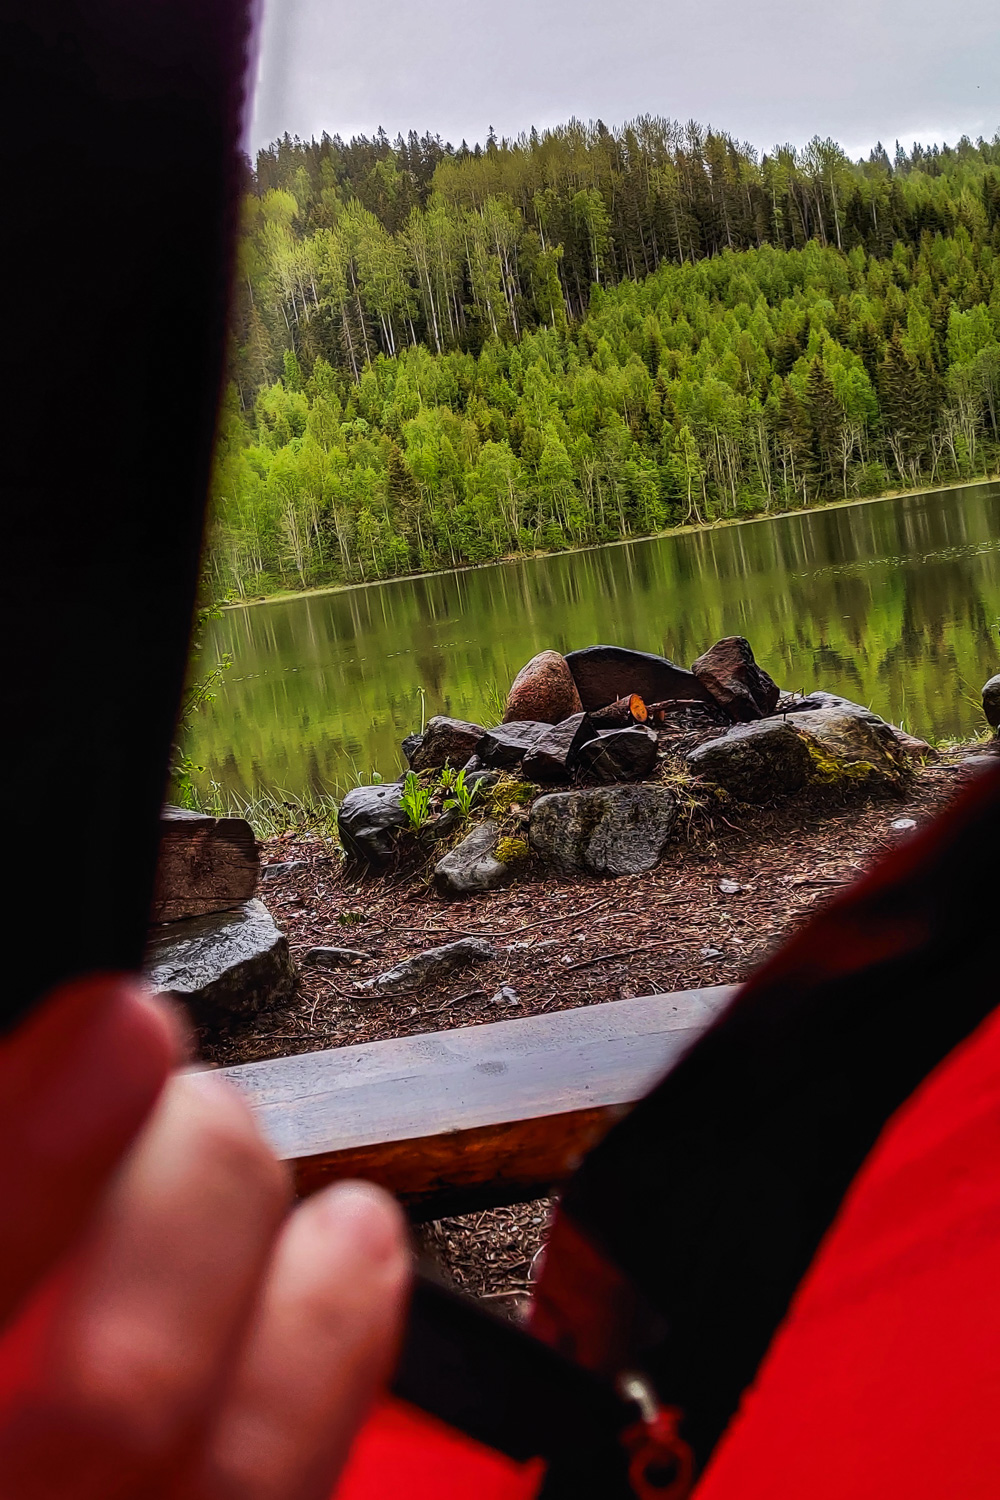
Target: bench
[{"x": 476, "y": 1117}]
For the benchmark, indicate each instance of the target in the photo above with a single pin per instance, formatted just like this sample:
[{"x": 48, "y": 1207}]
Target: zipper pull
[{"x": 661, "y": 1464}]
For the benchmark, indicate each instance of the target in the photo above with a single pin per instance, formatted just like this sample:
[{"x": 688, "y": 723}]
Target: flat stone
[
  {"x": 445, "y": 742},
  {"x": 543, "y": 691},
  {"x": 604, "y": 674},
  {"x": 619, "y": 755},
  {"x": 333, "y": 958},
  {"x": 613, "y": 830},
  {"x": 282, "y": 867},
  {"x": 991, "y": 701},
  {"x": 472, "y": 867},
  {"x": 732, "y": 677},
  {"x": 505, "y": 996},
  {"x": 369, "y": 823},
  {"x": 728, "y": 887},
  {"x": 759, "y": 762},
  {"x": 412, "y": 973},
  {"x": 553, "y": 757},
  {"x": 232, "y": 963},
  {"x": 506, "y": 746}
]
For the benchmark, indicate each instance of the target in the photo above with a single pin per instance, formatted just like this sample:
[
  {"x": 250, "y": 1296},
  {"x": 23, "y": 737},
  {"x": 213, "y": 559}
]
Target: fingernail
[{"x": 367, "y": 1217}]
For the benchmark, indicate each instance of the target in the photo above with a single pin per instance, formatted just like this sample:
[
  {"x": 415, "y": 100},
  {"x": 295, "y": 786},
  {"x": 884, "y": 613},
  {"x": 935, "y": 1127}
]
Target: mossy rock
[{"x": 512, "y": 851}]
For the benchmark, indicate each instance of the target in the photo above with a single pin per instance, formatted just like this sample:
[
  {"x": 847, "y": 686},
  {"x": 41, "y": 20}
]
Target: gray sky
[{"x": 765, "y": 70}]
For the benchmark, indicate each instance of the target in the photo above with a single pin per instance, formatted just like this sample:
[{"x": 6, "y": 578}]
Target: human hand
[{"x": 169, "y": 1329}]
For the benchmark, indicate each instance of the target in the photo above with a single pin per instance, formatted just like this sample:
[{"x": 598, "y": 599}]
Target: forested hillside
[{"x": 443, "y": 357}]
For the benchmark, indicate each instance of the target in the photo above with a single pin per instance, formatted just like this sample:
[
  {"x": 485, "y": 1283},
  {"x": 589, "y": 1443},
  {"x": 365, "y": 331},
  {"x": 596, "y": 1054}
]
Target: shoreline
[{"x": 283, "y": 596}]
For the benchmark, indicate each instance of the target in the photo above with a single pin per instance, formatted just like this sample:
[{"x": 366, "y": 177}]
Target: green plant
[
  {"x": 198, "y": 692},
  {"x": 462, "y": 796},
  {"x": 415, "y": 801},
  {"x": 446, "y": 780},
  {"x": 494, "y": 703}
]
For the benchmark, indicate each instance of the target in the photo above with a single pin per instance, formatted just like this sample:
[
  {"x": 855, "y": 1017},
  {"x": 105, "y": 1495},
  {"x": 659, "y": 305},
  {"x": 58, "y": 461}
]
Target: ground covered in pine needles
[{"x": 730, "y": 889}]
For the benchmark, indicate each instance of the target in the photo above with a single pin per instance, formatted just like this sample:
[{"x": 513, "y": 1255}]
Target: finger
[
  {"x": 154, "y": 1311},
  {"x": 324, "y": 1341},
  {"x": 77, "y": 1079}
]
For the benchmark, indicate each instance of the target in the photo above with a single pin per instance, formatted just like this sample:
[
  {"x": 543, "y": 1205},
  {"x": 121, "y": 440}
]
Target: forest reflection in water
[{"x": 895, "y": 603}]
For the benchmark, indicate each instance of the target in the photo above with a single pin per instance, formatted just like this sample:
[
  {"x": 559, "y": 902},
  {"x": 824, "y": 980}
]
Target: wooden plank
[{"x": 476, "y": 1116}]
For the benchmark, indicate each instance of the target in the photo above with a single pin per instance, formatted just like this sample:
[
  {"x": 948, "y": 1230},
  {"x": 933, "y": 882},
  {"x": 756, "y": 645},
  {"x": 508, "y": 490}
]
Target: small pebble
[
  {"x": 711, "y": 952},
  {"x": 730, "y": 887},
  {"x": 333, "y": 958},
  {"x": 283, "y": 867},
  {"x": 505, "y": 996},
  {"x": 903, "y": 825}
]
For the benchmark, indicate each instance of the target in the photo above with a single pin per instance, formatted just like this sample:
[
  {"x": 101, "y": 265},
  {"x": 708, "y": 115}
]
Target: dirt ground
[{"x": 563, "y": 943}]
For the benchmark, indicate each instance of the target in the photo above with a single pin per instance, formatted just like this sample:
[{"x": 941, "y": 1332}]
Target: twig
[{"x": 604, "y": 958}]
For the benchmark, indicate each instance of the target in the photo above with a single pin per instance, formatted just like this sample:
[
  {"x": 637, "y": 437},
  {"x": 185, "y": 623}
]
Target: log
[
  {"x": 475, "y": 1117},
  {"x": 620, "y": 714},
  {"x": 204, "y": 865},
  {"x": 688, "y": 710}
]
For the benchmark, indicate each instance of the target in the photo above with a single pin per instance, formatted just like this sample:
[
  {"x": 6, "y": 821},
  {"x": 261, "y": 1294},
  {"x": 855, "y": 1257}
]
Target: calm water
[{"x": 895, "y": 604}]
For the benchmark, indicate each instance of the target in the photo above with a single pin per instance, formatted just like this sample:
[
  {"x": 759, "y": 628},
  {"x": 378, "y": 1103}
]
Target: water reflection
[{"x": 895, "y": 603}]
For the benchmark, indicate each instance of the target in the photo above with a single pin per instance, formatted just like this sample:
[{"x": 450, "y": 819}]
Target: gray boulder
[
  {"x": 619, "y": 755},
  {"x": 991, "y": 701},
  {"x": 424, "y": 968},
  {"x": 232, "y": 963},
  {"x": 369, "y": 823},
  {"x": 472, "y": 867},
  {"x": 613, "y": 830},
  {"x": 758, "y": 762},
  {"x": 444, "y": 742}
]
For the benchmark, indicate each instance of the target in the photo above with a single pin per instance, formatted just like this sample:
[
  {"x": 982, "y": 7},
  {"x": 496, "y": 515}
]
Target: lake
[{"x": 894, "y": 603}]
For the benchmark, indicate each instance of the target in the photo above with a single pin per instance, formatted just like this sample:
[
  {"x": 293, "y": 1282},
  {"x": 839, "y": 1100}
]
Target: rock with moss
[
  {"x": 760, "y": 762},
  {"x": 849, "y": 750},
  {"x": 834, "y": 745},
  {"x": 476, "y": 864},
  {"x": 605, "y": 830},
  {"x": 512, "y": 851}
]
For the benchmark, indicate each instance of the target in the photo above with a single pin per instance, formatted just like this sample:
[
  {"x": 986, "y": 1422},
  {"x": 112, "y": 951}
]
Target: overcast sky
[{"x": 767, "y": 71}]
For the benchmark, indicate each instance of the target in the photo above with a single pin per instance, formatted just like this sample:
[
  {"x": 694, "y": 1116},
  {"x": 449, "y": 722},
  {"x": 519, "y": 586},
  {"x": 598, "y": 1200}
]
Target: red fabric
[
  {"x": 884, "y": 1380},
  {"x": 402, "y": 1452}
]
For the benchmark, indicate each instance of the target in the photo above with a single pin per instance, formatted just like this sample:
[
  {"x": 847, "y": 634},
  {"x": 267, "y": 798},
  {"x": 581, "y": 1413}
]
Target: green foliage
[
  {"x": 200, "y": 690},
  {"x": 416, "y": 801},
  {"x": 462, "y": 796},
  {"x": 445, "y": 364}
]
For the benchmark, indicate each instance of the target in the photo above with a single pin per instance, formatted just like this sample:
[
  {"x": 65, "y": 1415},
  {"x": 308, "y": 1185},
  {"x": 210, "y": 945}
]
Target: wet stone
[
  {"x": 224, "y": 965},
  {"x": 603, "y": 674}
]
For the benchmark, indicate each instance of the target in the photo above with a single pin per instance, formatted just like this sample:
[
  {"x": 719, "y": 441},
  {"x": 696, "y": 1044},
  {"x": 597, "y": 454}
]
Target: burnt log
[
  {"x": 619, "y": 715},
  {"x": 204, "y": 865}
]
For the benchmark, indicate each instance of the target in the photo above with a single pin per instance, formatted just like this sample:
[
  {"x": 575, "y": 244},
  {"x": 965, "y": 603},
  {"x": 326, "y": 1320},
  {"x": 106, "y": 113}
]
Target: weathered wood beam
[{"x": 474, "y": 1117}]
